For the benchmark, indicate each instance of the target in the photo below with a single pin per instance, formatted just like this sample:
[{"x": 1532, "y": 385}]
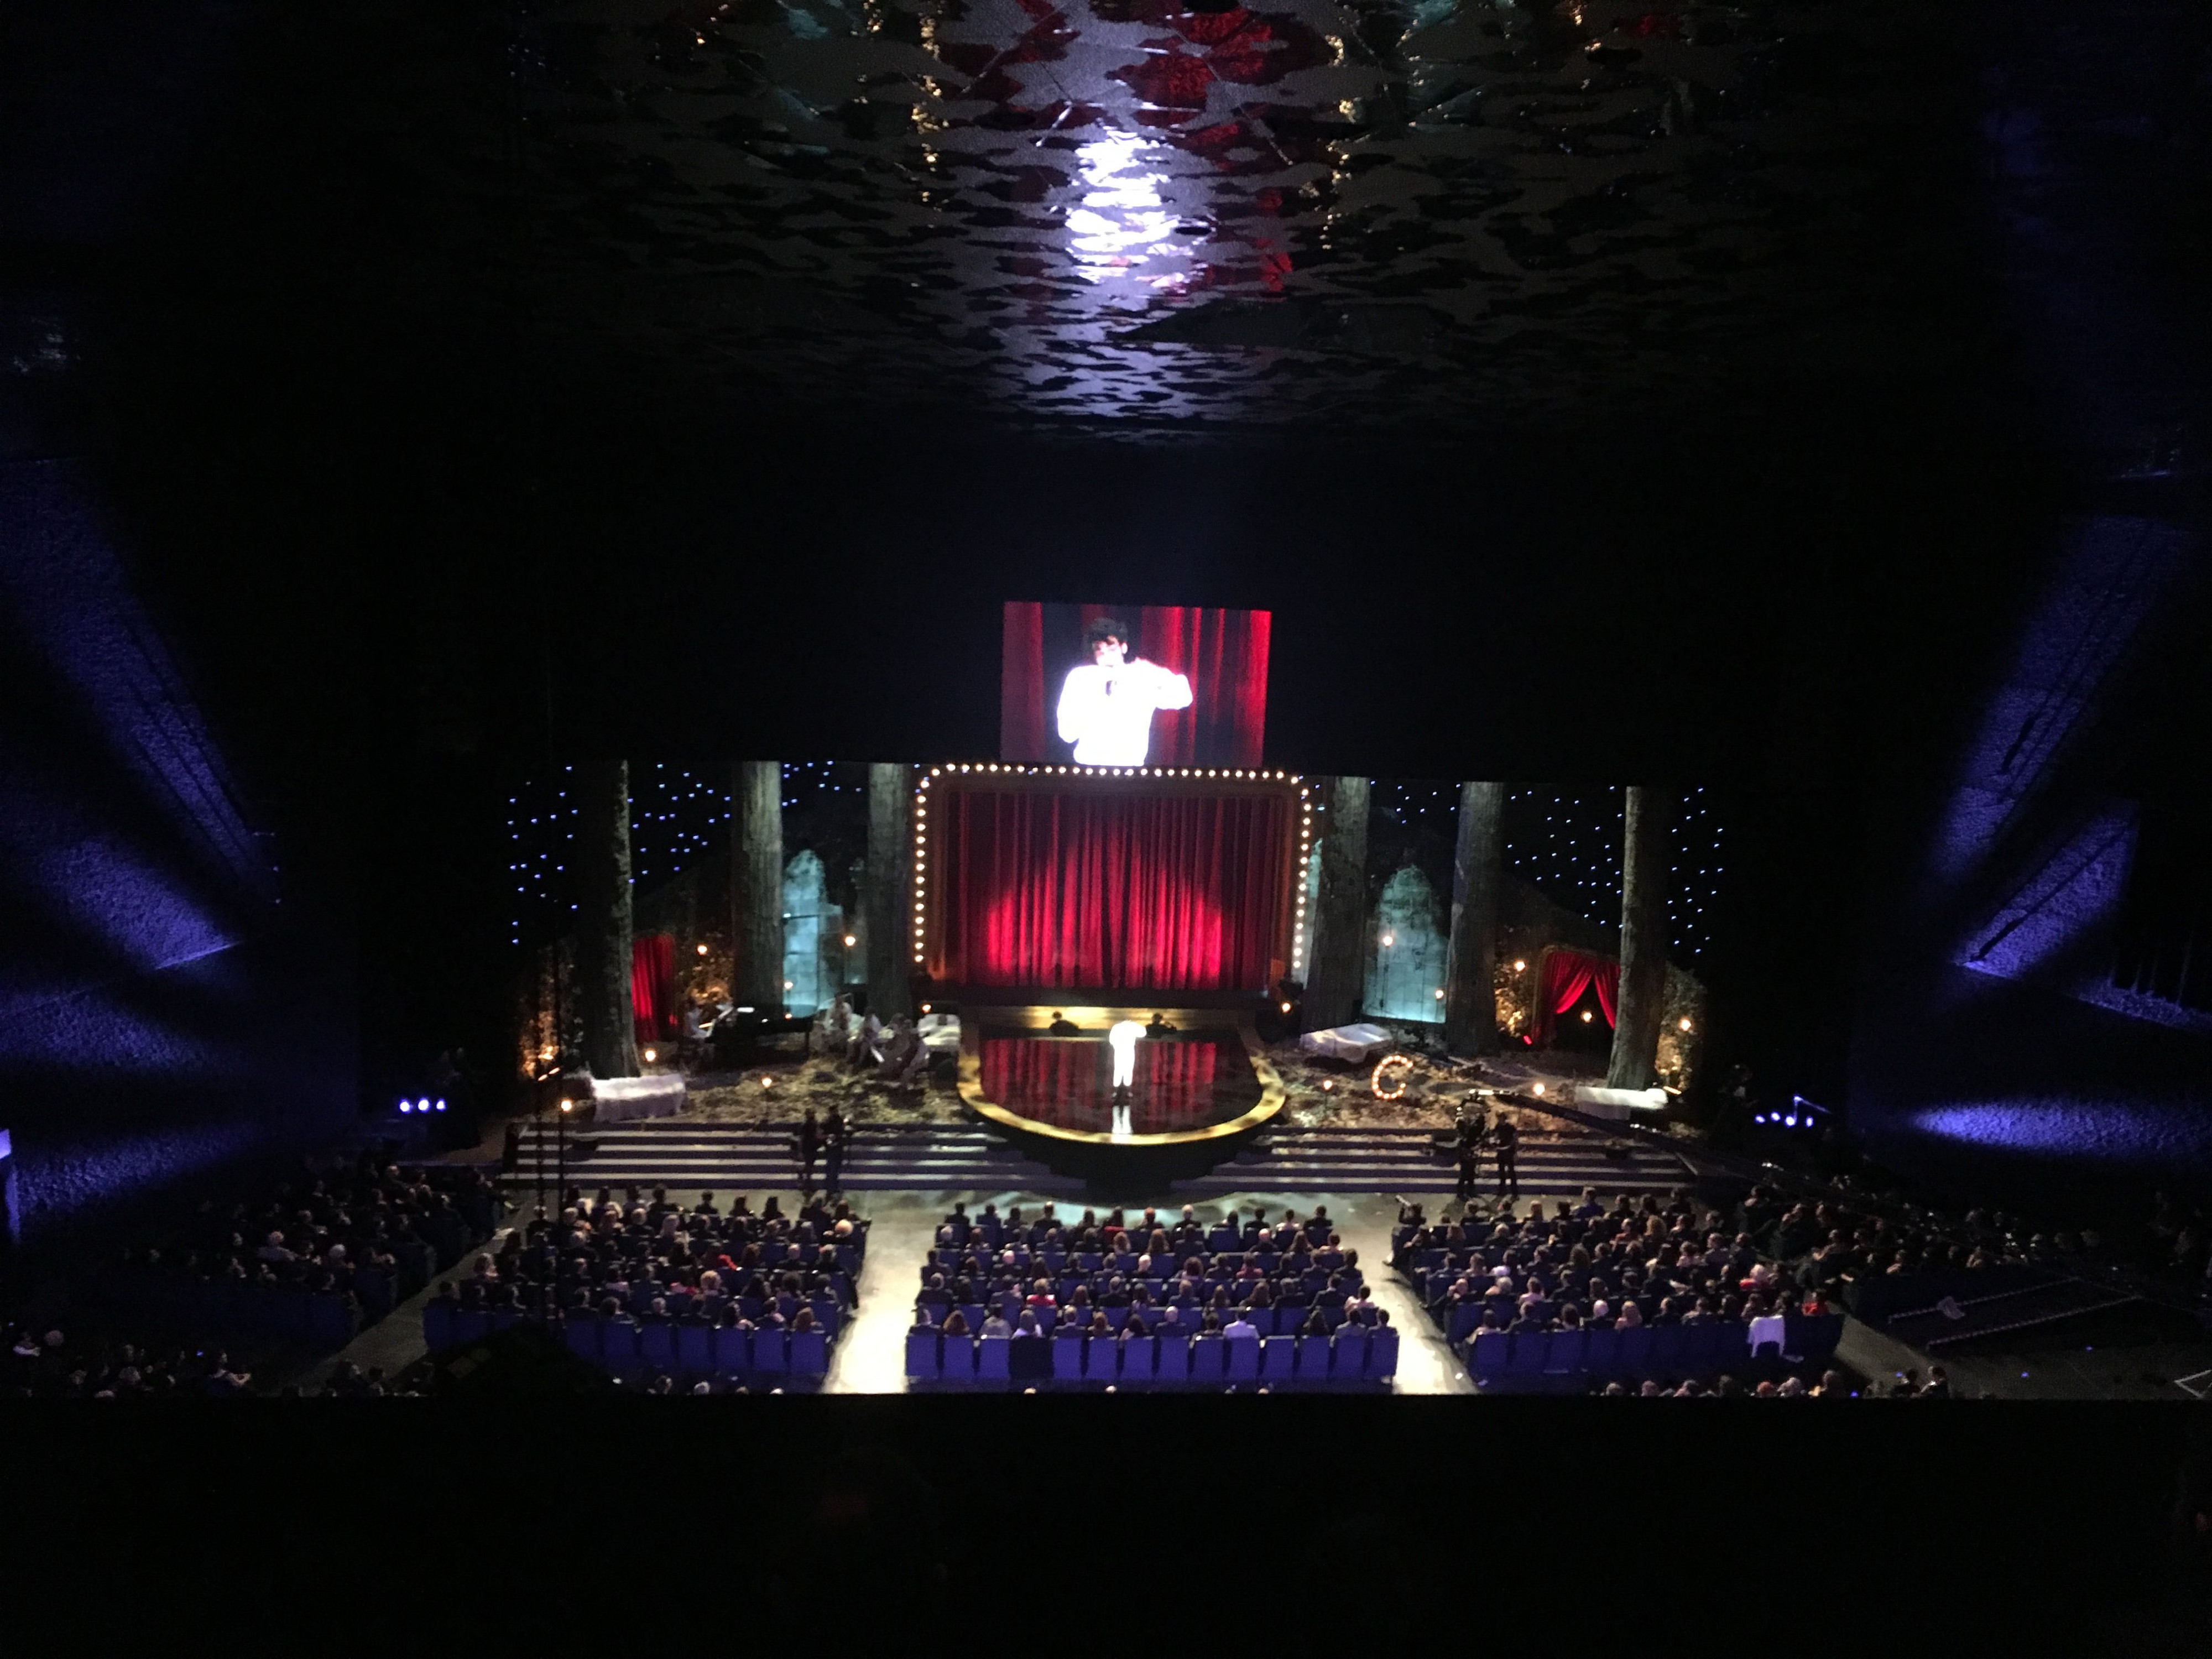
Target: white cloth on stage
[
  {"x": 1123, "y": 1037},
  {"x": 1352, "y": 1042},
  {"x": 1617, "y": 1103},
  {"x": 620, "y": 1099},
  {"x": 1768, "y": 1327}
]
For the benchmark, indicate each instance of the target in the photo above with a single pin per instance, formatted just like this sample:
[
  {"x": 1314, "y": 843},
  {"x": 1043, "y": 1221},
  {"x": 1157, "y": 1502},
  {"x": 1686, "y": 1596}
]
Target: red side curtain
[
  {"x": 653, "y": 987},
  {"x": 1021, "y": 685},
  {"x": 1565, "y": 975},
  {"x": 1107, "y": 890}
]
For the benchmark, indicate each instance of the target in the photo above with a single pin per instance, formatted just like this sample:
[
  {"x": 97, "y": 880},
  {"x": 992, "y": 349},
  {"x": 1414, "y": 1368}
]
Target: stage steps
[{"x": 730, "y": 1157}]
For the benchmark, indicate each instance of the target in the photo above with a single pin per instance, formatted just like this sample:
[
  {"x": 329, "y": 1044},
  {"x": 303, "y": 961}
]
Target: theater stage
[{"x": 1202, "y": 1087}]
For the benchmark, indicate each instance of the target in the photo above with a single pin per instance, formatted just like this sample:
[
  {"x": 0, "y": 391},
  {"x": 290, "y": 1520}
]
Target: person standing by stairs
[
  {"x": 808, "y": 1146},
  {"x": 835, "y": 1133}
]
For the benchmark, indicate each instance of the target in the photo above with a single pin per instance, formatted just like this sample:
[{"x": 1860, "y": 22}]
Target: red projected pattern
[
  {"x": 1224, "y": 654},
  {"x": 1067, "y": 1082},
  {"x": 1181, "y": 892}
]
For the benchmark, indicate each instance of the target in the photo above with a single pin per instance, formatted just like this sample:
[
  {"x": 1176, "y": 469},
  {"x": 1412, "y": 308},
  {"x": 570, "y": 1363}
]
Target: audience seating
[
  {"x": 1529, "y": 1360},
  {"x": 1144, "y": 1361}
]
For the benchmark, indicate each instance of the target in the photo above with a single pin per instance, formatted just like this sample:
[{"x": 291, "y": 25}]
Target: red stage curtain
[
  {"x": 1223, "y": 653},
  {"x": 1565, "y": 975},
  {"x": 1135, "y": 892},
  {"x": 653, "y": 987}
]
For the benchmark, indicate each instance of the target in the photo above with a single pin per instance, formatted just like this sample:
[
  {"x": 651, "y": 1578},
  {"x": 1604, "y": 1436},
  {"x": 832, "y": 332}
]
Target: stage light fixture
[
  {"x": 702, "y": 949},
  {"x": 407, "y": 1106},
  {"x": 1685, "y": 1021},
  {"x": 1327, "y": 1085},
  {"x": 440, "y": 1107},
  {"x": 850, "y": 941},
  {"x": 1537, "y": 1090},
  {"x": 650, "y": 1055},
  {"x": 1286, "y": 1007},
  {"x": 1440, "y": 995},
  {"x": 568, "y": 1105}
]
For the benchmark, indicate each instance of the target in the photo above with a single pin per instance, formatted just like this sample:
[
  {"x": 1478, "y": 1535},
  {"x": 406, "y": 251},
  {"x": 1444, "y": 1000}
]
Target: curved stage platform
[{"x": 1198, "y": 1091}]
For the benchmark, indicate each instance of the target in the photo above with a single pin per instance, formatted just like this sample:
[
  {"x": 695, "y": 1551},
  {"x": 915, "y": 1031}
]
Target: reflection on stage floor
[{"x": 1188, "y": 1081}]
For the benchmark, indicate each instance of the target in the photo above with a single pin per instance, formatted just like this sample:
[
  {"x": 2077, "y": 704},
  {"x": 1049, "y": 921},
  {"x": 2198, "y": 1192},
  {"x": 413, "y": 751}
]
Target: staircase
[{"x": 969, "y": 1157}]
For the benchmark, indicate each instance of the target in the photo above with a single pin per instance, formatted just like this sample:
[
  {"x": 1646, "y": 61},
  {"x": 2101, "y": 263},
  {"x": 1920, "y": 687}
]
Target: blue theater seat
[
  {"x": 1067, "y": 1356},
  {"x": 810, "y": 1354},
  {"x": 1175, "y": 1359},
  {"x": 1488, "y": 1355},
  {"x": 1208, "y": 1361},
  {"x": 1382, "y": 1354},
  {"x": 1243, "y": 1359},
  {"x": 921, "y": 1354},
  {"x": 733, "y": 1351},
  {"x": 1278, "y": 1359},
  {"x": 992, "y": 1354},
  {"x": 1348, "y": 1357},
  {"x": 1139, "y": 1355},
  {"x": 769, "y": 1358},
  {"x": 1313, "y": 1358}
]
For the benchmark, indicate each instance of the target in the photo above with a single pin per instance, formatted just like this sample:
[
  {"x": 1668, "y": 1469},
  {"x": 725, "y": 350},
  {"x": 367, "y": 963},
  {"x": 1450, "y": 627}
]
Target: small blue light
[
  {"x": 1756, "y": 1117},
  {"x": 1790, "y": 1121},
  {"x": 440, "y": 1107},
  {"x": 406, "y": 1105},
  {"x": 421, "y": 1105}
]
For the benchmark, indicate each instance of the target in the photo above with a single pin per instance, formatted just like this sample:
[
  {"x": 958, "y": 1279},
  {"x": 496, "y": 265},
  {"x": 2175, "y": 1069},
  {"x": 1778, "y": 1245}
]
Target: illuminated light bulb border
[{"x": 1245, "y": 773}]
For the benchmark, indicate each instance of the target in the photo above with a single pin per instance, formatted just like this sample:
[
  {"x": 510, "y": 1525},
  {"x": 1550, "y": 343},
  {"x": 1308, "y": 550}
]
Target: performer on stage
[
  {"x": 1122, "y": 1038},
  {"x": 1106, "y": 708}
]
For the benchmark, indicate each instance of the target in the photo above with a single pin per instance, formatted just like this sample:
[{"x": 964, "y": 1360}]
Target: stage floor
[{"x": 1208, "y": 1077}]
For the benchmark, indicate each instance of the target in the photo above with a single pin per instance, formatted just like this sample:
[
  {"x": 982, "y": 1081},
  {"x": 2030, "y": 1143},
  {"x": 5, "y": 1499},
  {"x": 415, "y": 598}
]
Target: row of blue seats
[
  {"x": 1702, "y": 1350},
  {"x": 1053, "y": 1261},
  {"x": 624, "y": 1347},
  {"x": 1267, "y": 1321},
  {"x": 1156, "y": 1362},
  {"x": 445, "y": 1325},
  {"x": 240, "y": 1308}
]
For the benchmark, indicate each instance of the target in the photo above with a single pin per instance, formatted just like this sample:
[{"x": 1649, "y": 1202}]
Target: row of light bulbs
[{"x": 1245, "y": 773}]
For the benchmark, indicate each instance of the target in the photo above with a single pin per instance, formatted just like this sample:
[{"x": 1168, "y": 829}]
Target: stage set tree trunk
[
  {"x": 756, "y": 885},
  {"x": 1478, "y": 861},
  {"x": 1336, "y": 975},
  {"x": 1642, "y": 941},
  {"x": 885, "y": 903},
  {"x": 603, "y": 917}
]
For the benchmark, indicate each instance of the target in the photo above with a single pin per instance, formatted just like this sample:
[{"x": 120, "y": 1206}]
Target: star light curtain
[
  {"x": 678, "y": 815},
  {"x": 1566, "y": 844}
]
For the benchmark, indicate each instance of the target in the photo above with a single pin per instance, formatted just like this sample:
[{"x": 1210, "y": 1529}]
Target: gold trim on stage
[{"x": 1037, "y": 1018}]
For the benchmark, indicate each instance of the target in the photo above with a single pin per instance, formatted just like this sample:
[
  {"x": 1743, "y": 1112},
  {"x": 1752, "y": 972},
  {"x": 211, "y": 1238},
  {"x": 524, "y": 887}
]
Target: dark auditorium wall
[
  {"x": 159, "y": 1015},
  {"x": 1992, "y": 1049}
]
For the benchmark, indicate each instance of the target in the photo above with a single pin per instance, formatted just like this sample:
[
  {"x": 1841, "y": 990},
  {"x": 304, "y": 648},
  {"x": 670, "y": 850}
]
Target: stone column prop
[
  {"x": 756, "y": 885},
  {"x": 890, "y": 911},
  {"x": 1336, "y": 974},
  {"x": 603, "y": 920},
  {"x": 1642, "y": 940},
  {"x": 1470, "y": 972}
]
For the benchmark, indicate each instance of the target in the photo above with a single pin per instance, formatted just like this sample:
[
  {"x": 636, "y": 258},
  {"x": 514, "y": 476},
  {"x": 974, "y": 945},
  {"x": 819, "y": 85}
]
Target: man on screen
[{"x": 1106, "y": 708}]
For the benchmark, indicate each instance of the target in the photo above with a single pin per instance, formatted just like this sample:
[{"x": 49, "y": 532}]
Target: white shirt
[
  {"x": 1107, "y": 713},
  {"x": 1241, "y": 1327}
]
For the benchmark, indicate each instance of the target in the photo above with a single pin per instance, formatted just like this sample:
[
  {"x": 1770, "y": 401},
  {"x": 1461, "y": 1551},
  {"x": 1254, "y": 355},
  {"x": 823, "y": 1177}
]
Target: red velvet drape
[
  {"x": 1109, "y": 890},
  {"x": 653, "y": 987},
  {"x": 1021, "y": 685},
  {"x": 1564, "y": 975},
  {"x": 1069, "y": 1084},
  {"x": 1223, "y": 653}
]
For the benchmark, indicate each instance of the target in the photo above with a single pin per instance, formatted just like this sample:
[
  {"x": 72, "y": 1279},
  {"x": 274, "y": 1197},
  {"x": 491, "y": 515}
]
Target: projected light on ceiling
[{"x": 1123, "y": 229}]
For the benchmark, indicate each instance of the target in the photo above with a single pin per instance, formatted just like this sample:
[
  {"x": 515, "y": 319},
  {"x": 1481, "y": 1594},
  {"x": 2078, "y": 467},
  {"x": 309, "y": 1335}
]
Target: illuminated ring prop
[{"x": 1399, "y": 1068}]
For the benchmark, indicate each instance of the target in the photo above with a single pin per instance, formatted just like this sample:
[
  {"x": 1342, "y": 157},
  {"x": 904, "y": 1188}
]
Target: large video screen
[{"x": 1133, "y": 686}]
